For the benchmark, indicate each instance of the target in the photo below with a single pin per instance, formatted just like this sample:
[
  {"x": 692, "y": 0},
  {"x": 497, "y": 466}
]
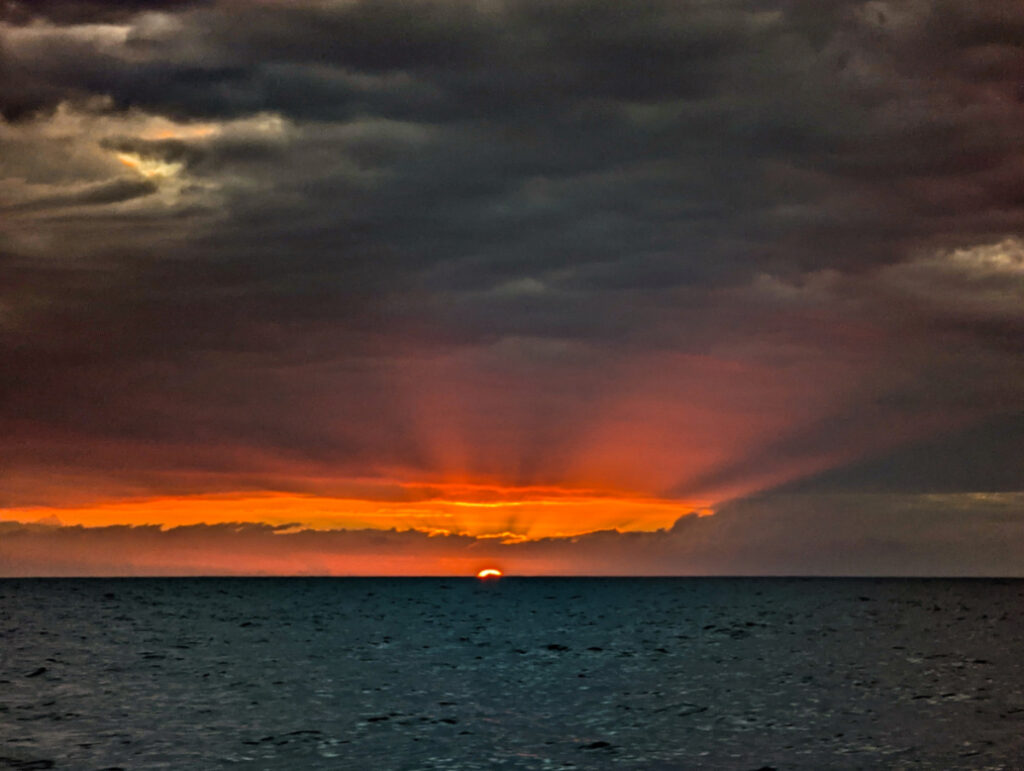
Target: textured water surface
[{"x": 515, "y": 674}]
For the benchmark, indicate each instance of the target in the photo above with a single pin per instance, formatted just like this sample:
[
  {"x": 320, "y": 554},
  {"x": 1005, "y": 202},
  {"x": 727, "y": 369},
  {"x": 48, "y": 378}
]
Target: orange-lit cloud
[{"x": 479, "y": 511}]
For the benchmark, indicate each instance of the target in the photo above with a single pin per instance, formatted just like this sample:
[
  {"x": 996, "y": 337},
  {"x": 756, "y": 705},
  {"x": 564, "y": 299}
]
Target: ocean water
[{"x": 381, "y": 674}]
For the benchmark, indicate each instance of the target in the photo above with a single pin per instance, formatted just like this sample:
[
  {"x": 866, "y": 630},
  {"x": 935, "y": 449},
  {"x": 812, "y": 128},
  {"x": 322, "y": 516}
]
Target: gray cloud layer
[{"x": 244, "y": 239}]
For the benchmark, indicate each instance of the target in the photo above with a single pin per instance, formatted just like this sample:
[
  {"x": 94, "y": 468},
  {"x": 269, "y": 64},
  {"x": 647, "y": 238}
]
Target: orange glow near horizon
[
  {"x": 489, "y": 573},
  {"x": 481, "y": 511},
  {"x": 495, "y": 459}
]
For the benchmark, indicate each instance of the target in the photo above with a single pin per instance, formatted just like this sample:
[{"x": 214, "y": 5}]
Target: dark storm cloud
[
  {"x": 213, "y": 209},
  {"x": 685, "y": 102}
]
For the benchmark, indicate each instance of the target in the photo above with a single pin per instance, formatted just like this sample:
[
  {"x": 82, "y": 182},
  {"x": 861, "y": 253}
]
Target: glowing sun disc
[{"x": 489, "y": 573}]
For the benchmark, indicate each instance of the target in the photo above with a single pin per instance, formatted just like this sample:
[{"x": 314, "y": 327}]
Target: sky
[{"x": 582, "y": 287}]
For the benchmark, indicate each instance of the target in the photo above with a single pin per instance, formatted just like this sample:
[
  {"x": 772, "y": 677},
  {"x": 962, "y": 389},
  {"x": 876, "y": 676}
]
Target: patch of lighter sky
[{"x": 27, "y": 40}]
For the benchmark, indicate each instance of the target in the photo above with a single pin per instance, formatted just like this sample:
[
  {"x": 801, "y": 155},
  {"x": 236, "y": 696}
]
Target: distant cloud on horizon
[{"x": 853, "y": 535}]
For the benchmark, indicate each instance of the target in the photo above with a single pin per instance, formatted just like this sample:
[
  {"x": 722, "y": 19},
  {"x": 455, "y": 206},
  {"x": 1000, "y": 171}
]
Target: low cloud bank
[{"x": 849, "y": 534}]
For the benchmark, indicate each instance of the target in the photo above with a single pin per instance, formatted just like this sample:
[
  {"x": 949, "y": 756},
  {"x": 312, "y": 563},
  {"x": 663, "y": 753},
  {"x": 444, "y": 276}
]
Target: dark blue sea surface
[{"x": 513, "y": 674}]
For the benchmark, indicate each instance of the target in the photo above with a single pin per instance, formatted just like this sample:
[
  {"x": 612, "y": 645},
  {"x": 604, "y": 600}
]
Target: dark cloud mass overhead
[{"x": 683, "y": 252}]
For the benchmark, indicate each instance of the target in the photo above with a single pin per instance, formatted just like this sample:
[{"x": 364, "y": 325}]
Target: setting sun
[{"x": 489, "y": 573}]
